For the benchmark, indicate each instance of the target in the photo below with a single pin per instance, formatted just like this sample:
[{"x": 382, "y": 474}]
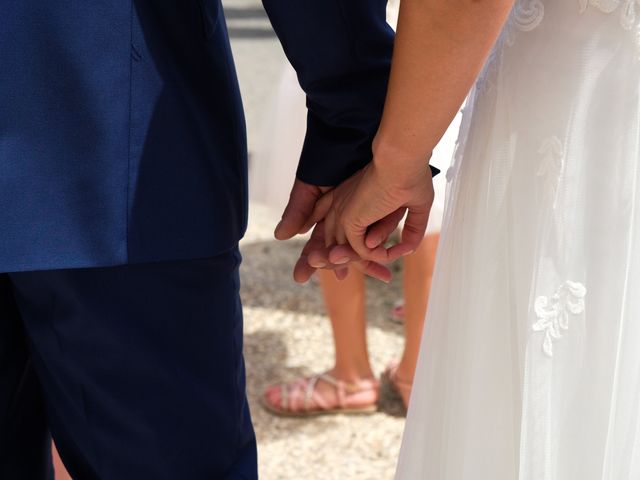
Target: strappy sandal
[
  {"x": 402, "y": 388},
  {"x": 301, "y": 398}
]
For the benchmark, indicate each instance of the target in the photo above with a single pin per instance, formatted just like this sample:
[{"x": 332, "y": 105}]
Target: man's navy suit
[{"x": 123, "y": 195}]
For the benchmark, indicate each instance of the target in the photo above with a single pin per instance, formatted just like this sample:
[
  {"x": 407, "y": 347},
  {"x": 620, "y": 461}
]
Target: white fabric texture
[
  {"x": 272, "y": 167},
  {"x": 530, "y": 359}
]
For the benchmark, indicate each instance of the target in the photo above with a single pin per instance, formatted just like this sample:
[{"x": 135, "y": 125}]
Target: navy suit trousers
[{"x": 137, "y": 372}]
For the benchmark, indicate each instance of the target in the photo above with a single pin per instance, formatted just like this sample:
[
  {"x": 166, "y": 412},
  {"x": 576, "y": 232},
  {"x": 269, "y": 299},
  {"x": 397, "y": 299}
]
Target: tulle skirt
[{"x": 530, "y": 360}]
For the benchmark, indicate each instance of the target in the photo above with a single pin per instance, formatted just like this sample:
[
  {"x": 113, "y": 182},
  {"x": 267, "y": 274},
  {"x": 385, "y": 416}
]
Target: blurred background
[{"x": 287, "y": 332}]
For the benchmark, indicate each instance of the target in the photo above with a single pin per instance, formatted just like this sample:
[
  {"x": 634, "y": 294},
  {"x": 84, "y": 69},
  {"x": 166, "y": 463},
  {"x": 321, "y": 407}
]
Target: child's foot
[{"x": 400, "y": 386}]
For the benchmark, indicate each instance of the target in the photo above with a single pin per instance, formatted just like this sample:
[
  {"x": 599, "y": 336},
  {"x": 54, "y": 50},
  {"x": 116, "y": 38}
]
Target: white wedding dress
[{"x": 530, "y": 362}]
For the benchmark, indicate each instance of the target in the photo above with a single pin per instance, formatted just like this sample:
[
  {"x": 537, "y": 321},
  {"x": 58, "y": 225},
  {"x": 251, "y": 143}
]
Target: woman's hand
[
  {"x": 295, "y": 220},
  {"x": 364, "y": 210}
]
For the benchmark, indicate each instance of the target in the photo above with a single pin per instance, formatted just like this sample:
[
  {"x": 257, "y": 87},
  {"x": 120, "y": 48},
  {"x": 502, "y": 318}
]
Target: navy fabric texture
[
  {"x": 122, "y": 136},
  {"x": 139, "y": 369},
  {"x": 25, "y": 445}
]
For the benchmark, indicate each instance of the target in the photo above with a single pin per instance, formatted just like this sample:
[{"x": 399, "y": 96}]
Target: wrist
[{"x": 401, "y": 164}]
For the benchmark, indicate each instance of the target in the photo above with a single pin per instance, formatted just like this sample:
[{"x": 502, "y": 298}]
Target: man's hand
[
  {"x": 296, "y": 220},
  {"x": 315, "y": 255},
  {"x": 302, "y": 202}
]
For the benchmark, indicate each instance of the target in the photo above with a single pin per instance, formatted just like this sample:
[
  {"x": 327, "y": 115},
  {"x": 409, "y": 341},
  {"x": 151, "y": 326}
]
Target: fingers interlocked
[{"x": 353, "y": 222}]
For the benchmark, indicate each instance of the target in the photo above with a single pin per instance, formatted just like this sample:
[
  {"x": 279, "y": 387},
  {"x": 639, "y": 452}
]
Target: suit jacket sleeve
[{"x": 341, "y": 50}]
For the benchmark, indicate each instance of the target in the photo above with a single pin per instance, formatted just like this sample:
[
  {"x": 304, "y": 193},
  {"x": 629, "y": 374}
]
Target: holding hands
[
  {"x": 440, "y": 48},
  {"x": 353, "y": 221}
]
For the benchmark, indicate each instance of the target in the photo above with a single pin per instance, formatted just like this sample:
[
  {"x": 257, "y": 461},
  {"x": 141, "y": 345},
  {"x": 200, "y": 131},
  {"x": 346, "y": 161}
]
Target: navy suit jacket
[{"x": 122, "y": 136}]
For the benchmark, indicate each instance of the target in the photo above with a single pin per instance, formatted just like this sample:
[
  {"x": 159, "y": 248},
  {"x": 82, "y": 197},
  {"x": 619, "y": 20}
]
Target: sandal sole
[{"x": 318, "y": 413}]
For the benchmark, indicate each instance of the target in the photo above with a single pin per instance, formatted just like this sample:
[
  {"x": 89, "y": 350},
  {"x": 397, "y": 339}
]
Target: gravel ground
[{"x": 287, "y": 334}]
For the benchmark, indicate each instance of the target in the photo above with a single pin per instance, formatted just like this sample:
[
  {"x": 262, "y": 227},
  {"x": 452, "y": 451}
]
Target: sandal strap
[
  {"x": 353, "y": 387},
  {"x": 344, "y": 389},
  {"x": 302, "y": 395},
  {"x": 311, "y": 394},
  {"x": 284, "y": 396},
  {"x": 338, "y": 385}
]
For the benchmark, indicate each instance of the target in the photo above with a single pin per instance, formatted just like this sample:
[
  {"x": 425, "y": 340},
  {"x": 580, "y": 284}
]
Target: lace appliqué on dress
[
  {"x": 552, "y": 153},
  {"x": 551, "y": 166},
  {"x": 527, "y": 14},
  {"x": 553, "y": 312},
  {"x": 627, "y": 12}
]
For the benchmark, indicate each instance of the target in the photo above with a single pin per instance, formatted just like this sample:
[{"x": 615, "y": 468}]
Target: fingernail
[
  {"x": 318, "y": 264},
  {"x": 407, "y": 253},
  {"x": 342, "y": 260}
]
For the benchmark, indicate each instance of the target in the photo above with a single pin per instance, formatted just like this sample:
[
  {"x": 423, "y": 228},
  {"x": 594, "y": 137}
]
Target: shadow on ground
[{"x": 267, "y": 282}]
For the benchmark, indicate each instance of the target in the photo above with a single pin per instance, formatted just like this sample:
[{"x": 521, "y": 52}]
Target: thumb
[{"x": 302, "y": 201}]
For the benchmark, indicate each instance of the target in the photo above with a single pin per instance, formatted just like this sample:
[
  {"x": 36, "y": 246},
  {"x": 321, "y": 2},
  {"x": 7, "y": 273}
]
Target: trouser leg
[
  {"x": 142, "y": 368},
  {"x": 25, "y": 451}
]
